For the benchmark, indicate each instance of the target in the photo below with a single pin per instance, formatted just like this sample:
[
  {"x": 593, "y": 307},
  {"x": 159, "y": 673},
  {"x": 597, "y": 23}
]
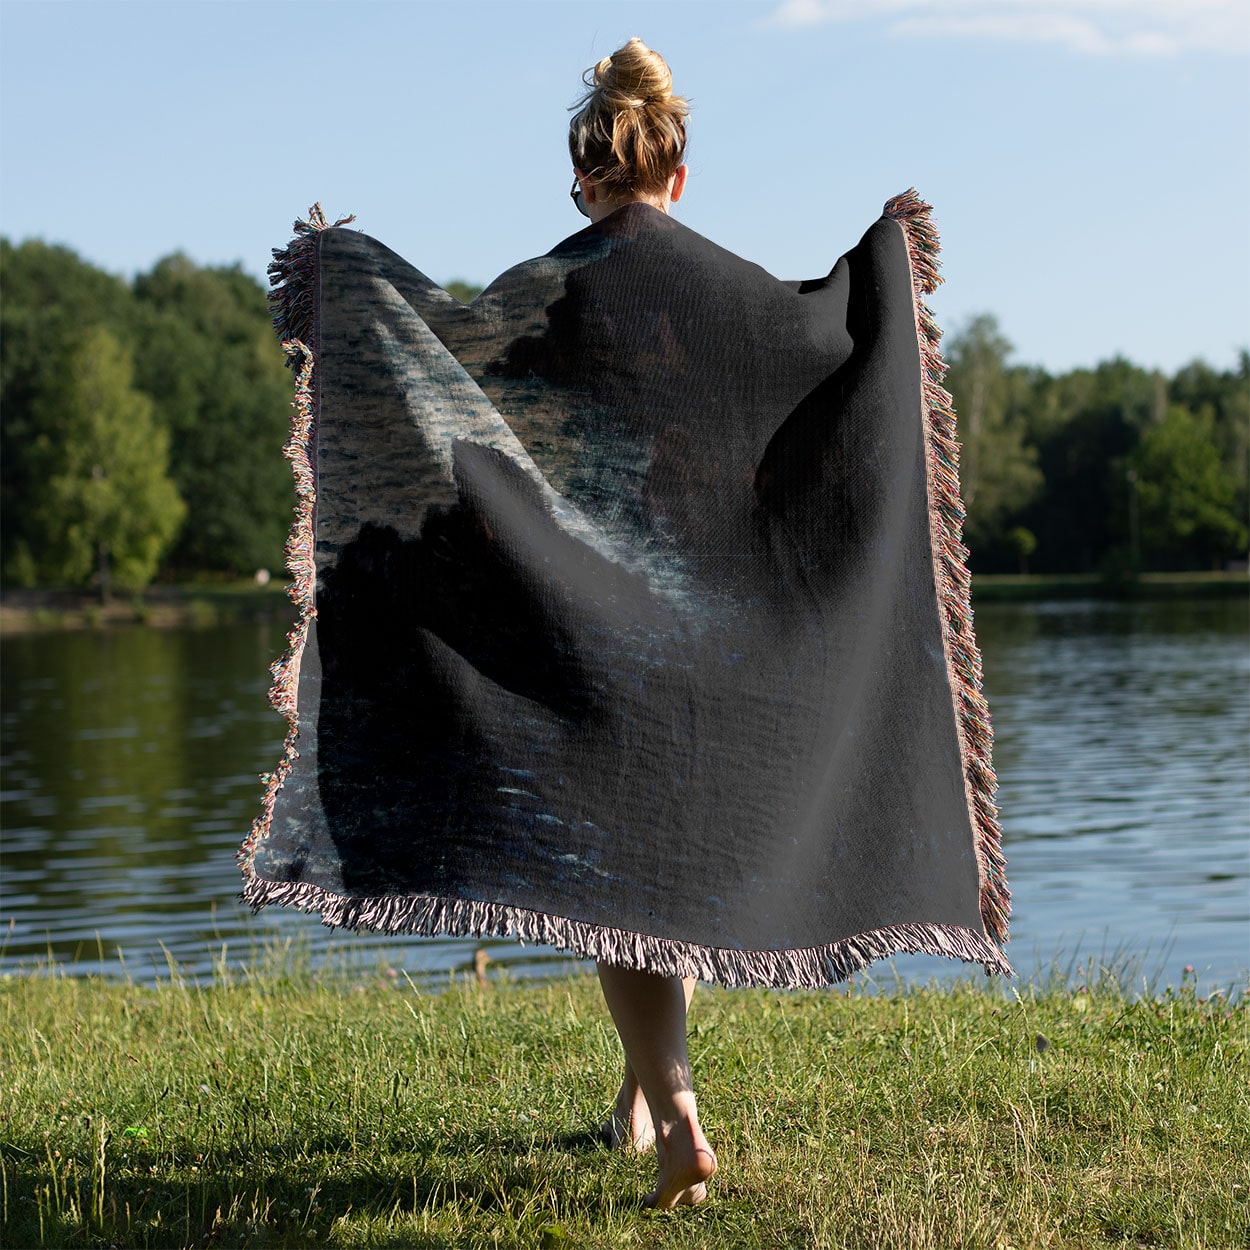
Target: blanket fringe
[
  {"x": 300, "y": 545},
  {"x": 811, "y": 968},
  {"x": 954, "y": 584},
  {"x": 293, "y": 279},
  {"x": 293, "y": 305}
]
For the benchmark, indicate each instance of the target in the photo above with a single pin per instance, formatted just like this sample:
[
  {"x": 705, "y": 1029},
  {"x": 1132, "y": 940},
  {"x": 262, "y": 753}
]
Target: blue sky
[{"x": 1087, "y": 159}]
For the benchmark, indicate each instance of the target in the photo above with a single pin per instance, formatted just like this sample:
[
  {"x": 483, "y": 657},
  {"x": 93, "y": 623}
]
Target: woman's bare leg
[
  {"x": 649, "y": 1012},
  {"x": 629, "y": 1126}
]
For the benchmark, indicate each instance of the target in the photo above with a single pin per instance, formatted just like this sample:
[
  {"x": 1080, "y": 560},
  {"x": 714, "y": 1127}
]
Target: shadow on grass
[{"x": 296, "y": 1192}]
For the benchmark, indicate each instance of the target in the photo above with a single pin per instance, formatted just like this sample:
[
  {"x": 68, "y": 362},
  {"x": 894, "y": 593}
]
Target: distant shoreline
[
  {"x": 162, "y": 606},
  {"x": 1002, "y": 587},
  {"x": 207, "y": 604}
]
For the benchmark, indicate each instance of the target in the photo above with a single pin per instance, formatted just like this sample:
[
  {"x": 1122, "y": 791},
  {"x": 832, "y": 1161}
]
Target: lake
[{"x": 131, "y": 759}]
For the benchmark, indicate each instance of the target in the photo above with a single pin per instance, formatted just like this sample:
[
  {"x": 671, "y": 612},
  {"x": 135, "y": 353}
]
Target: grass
[{"x": 285, "y": 1108}]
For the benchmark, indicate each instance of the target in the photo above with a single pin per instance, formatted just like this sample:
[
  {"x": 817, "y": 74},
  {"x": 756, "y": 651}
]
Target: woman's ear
[{"x": 678, "y": 183}]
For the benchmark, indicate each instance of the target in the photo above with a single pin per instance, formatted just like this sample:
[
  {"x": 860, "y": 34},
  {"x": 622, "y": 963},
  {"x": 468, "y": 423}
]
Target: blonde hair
[{"x": 629, "y": 132}]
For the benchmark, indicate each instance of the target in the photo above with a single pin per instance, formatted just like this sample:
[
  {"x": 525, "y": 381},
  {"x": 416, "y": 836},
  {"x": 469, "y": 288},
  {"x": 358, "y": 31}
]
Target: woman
[
  {"x": 628, "y": 143},
  {"x": 634, "y": 618}
]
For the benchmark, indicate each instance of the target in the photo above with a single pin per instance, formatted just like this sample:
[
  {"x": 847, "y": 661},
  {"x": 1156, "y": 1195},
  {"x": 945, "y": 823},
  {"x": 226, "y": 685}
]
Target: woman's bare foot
[
  {"x": 629, "y": 1126},
  {"x": 649, "y": 1011},
  {"x": 686, "y": 1165}
]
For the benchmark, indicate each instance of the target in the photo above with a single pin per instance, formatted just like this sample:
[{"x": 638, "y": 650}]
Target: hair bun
[
  {"x": 633, "y": 76},
  {"x": 629, "y": 130}
]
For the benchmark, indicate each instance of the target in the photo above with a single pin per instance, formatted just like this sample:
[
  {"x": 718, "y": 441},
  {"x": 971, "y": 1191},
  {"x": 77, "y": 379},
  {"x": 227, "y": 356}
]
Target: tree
[
  {"x": 1024, "y": 543},
  {"x": 102, "y": 506},
  {"x": 1088, "y": 422},
  {"x": 1186, "y": 493},
  {"x": 51, "y": 297},
  {"x": 1090, "y": 468},
  {"x": 1223, "y": 400},
  {"x": 465, "y": 292},
  {"x": 997, "y": 468},
  {"x": 208, "y": 357}
]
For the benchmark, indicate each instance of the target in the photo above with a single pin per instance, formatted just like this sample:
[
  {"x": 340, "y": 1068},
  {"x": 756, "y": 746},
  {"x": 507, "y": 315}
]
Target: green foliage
[
  {"x": 1053, "y": 456},
  {"x": 207, "y": 355},
  {"x": 1222, "y": 402},
  {"x": 998, "y": 468},
  {"x": 100, "y": 503},
  {"x": 465, "y": 292},
  {"x": 280, "y": 1109},
  {"x": 204, "y": 356},
  {"x": 1187, "y": 491},
  {"x": 52, "y": 280},
  {"x": 1024, "y": 543},
  {"x": 1082, "y": 515},
  {"x": 51, "y": 298},
  {"x": 1056, "y": 457}
]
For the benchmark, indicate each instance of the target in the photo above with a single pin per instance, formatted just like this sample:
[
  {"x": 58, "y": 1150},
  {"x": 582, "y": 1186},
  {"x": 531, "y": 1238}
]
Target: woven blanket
[{"x": 634, "y": 618}]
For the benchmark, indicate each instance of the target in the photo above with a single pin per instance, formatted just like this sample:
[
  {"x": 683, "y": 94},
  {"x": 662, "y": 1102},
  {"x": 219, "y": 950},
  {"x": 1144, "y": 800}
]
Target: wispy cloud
[{"x": 1137, "y": 28}]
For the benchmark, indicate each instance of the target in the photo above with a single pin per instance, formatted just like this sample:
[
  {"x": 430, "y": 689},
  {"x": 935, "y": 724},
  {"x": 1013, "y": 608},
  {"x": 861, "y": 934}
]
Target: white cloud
[{"x": 1137, "y": 28}]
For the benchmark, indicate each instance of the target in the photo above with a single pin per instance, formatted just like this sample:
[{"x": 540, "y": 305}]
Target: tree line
[
  {"x": 1115, "y": 469},
  {"x": 140, "y": 422},
  {"x": 140, "y": 425}
]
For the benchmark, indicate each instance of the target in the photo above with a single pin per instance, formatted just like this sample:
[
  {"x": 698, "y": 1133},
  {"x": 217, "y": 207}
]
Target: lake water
[{"x": 131, "y": 758}]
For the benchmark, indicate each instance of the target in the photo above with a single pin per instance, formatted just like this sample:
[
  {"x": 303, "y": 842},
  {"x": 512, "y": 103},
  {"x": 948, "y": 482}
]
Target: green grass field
[{"x": 282, "y": 1108}]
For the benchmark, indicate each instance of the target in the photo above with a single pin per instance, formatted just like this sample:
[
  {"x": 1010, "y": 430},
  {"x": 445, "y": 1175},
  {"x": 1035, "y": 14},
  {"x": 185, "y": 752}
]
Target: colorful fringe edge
[
  {"x": 811, "y": 968},
  {"x": 293, "y": 306},
  {"x": 293, "y": 302},
  {"x": 950, "y": 560},
  {"x": 293, "y": 278}
]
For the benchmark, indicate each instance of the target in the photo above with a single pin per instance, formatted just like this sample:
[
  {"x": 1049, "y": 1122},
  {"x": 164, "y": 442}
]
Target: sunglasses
[{"x": 576, "y": 196}]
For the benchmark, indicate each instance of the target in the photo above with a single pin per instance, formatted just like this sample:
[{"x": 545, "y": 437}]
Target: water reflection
[{"x": 131, "y": 762}]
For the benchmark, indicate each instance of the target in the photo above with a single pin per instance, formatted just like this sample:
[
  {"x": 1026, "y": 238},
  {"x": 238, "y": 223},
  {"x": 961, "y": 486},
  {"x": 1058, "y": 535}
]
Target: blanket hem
[
  {"x": 950, "y": 559},
  {"x": 809, "y": 968},
  {"x": 293, "y": 305}
]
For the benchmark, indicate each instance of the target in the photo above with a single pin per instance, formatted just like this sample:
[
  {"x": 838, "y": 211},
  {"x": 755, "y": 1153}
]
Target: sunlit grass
[{"x": 279, "y": 1107}]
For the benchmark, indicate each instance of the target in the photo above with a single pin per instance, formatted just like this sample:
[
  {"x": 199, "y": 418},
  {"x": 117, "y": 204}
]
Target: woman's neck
[{"x": 602, "y": 208}]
